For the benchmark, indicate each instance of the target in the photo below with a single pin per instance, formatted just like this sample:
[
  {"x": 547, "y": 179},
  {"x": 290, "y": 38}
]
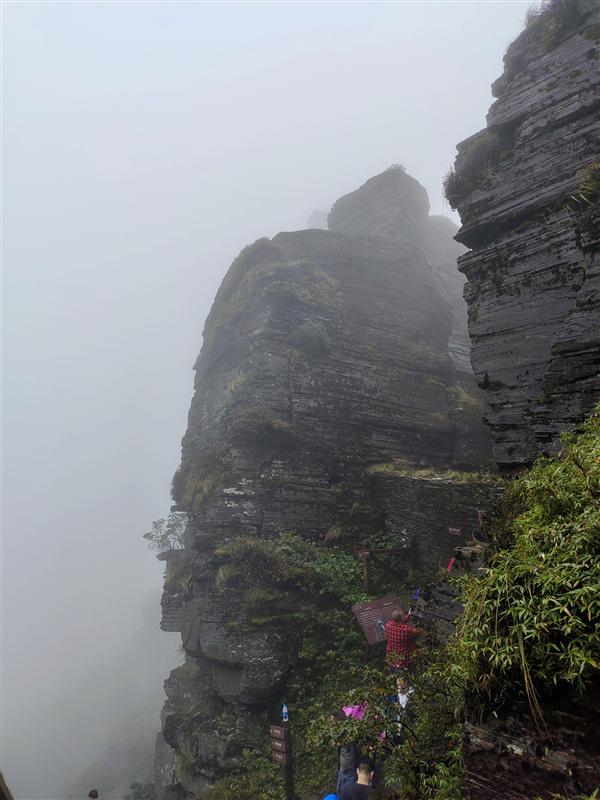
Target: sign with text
[
  {"x": 282, "y": 745},
  {"x": 279, "y": 732},
  {"x": 372, "y": 617},
  {"x": 281, "y": 753},
  {"x": 280, "y": 758},
  {"x": 455, "y": 531}
]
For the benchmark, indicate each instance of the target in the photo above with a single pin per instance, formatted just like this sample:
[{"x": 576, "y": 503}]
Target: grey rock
[
  {"x": 533, "y": 274},
  {"x": 325, "y": 383}
]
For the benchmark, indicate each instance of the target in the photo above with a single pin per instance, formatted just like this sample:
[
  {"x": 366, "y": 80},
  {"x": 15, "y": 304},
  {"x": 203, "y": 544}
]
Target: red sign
[{"x": 373, "y": 616}]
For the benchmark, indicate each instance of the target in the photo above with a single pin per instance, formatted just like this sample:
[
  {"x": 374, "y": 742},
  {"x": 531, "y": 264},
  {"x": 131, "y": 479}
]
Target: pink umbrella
[{"x": 356, "y": 712}]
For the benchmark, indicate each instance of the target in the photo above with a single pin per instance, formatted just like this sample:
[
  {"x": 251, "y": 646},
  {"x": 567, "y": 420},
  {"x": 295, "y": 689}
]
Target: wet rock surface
[
  {"x": 528, "y": 189},
  {"x": 524, "y": 188}
]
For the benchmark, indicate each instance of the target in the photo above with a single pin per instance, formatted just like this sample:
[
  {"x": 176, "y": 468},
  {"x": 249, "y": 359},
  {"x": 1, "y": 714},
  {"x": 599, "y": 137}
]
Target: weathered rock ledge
[
  {"x": 329, "y": 402},
  {"x": 527, "y": 190}
]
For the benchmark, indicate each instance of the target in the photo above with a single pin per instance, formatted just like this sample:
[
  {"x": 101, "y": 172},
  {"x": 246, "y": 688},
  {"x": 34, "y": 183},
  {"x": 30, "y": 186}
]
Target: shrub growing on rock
[{"x": 531, "y": 621}]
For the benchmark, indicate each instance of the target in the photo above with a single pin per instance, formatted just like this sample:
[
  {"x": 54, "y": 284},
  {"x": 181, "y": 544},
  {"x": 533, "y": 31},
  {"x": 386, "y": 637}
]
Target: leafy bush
[
  {"x": 262, "y": 569},
  {"x": 259, "y": 779},
  {"x": 531, "y": 620},
  {"x": 429, "y": 763}
]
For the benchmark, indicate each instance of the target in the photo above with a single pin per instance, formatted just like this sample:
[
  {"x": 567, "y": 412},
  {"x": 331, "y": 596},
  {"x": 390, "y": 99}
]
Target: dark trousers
[{"x": 345, "y": 778}]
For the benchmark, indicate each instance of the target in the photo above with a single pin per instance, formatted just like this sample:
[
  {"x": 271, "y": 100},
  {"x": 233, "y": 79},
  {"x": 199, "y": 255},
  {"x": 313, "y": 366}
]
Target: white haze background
[{"x": 144, "y": 144}]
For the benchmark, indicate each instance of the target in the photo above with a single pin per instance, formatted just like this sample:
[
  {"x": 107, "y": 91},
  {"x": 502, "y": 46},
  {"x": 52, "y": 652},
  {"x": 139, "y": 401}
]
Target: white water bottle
[{"x": 285, "y": 713}]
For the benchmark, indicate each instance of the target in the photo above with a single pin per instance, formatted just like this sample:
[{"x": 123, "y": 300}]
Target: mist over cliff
[{"x": 144, "y": 147}]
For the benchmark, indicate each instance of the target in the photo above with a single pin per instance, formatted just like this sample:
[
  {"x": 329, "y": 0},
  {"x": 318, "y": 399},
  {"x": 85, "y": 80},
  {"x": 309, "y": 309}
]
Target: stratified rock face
[
  {"x": 527, "y": 189},
  {"x": 326, "y": 401},
  {"x": 394, "y": 205}
]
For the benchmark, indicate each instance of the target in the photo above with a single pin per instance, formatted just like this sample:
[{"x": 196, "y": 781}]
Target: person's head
[
  {"x": 364, "y": 772},
  {"x": 402, "y": 684},
  {"x": 337, "y": 716},
  {"x": 93, "y": 794},
  {"x": 399, "y": 615}
]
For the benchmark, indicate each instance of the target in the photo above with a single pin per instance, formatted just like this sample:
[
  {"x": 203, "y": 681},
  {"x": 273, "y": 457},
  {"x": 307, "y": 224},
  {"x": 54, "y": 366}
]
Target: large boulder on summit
[{"x": 392, "y": 204}]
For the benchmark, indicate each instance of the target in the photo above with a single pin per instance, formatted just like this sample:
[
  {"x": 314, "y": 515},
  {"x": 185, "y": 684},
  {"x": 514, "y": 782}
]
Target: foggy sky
[{"x": 144, "y": 144}]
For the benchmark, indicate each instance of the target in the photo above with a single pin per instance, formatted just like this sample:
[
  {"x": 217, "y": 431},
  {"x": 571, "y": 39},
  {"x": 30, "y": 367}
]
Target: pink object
[
  {"x": 356, "y": 712},
  {"x": 451, "y": 564}
]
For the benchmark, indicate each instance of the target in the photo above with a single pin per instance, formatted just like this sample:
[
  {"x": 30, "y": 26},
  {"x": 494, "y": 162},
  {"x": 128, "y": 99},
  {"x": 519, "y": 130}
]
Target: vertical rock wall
[{"x": 527, "y": 190}]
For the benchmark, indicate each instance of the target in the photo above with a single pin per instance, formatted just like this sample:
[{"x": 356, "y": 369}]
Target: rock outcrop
[
  {"x": 527, "y": 190},
  {"x": 331, "y": 399},
  {"x": 395, "y": 206}
]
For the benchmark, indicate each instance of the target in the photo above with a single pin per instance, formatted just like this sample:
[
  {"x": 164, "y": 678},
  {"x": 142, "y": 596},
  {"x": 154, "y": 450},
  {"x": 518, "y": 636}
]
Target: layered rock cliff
[
  {"x": 331, "y": 401},
  {"x": 527, "y": 190}
]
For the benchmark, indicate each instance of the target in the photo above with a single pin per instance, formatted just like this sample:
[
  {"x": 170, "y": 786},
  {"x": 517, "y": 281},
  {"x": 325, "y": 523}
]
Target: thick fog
[{"x": 144, "y": 145}]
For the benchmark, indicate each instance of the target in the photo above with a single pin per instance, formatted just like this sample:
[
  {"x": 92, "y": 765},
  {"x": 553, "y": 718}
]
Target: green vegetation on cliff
[
  {"x": 259, "y": 269},
  {"x": 529, "y": 626},
  {"x": 531, "y": 622}
]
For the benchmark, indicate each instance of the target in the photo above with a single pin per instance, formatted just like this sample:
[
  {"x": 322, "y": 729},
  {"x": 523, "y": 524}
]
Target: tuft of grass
[
  {"x": 474, "y": 165},
  {"x": 236, "y": 383},
  {"x": 197, "y": 480},
  {"x": 588, "y": 192},
  {"x": 401, "y": 469}
]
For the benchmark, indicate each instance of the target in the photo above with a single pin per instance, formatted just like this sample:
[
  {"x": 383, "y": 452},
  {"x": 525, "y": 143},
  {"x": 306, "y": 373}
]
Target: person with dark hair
[
  {"x": 348, "y": 758},
  {"x": 361, "y": 789},
  {"x": 401, "y": 640},
  {"x": 93, "y": 794}
]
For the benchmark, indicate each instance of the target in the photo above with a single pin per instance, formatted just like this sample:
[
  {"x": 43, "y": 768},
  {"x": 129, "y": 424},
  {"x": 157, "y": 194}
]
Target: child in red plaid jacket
[{"x": 401, "y": 640}]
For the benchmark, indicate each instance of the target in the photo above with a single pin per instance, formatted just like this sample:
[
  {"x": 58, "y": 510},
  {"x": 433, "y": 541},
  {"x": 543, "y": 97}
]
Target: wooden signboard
[
  {"x": 281, "y": 745},
  {"x": 372, "y": 617},
  {"x": 280, "y": 758},
  {"x": 455, "y": 531},
  {"x": 279, "y": 732},
  {"x": 281, "y": 753}
]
